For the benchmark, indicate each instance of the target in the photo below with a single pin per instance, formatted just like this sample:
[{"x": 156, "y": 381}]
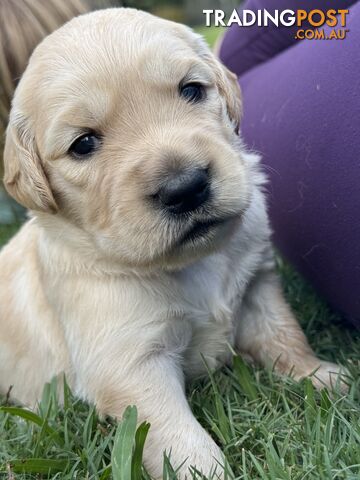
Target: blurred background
[{"x": 24, "y": 23}]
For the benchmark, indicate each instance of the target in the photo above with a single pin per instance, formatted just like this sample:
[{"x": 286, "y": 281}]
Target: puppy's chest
[{"x": 206, "y": 298}]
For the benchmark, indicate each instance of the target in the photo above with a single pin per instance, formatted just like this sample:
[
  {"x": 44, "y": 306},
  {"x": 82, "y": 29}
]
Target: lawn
[{"x": 270, "y": 428}]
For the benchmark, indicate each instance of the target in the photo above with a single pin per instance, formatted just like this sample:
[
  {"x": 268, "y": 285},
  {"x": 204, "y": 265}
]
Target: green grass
[
  {"x": 270, "y": 428},
  {"x": 210, "y": 33},
  {"x": 6, "y": 232}
]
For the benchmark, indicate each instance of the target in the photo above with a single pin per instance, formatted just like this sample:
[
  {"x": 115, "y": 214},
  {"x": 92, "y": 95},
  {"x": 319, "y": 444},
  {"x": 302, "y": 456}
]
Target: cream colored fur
[{"x": 95, "y": 284}]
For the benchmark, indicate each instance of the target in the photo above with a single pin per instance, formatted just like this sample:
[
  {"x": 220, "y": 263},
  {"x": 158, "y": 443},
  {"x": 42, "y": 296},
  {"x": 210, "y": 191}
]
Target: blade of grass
[
  {"x": 29, "y": 417},
  {"x": 122, "y": 453},
  {"x": 140, "y": 438},
  {"x": 36, "y": 465},
  {"x": 245, "y": 378}
]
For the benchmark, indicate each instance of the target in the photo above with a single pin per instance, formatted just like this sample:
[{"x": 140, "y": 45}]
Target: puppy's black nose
[{"x": 184, "y": 192}]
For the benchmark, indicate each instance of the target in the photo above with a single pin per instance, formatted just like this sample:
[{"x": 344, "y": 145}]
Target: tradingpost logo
[{"x": 311, "y": 24}]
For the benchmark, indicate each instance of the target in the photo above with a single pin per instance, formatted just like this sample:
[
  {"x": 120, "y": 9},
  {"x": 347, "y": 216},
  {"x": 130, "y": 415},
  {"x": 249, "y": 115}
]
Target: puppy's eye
[
  {"x": 192, "y": 92},
  {"x": 84, "y": 145}
]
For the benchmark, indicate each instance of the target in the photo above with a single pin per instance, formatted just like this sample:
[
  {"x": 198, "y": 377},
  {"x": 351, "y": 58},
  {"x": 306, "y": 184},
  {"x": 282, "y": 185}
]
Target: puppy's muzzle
[{"x": 184, "y": 191}]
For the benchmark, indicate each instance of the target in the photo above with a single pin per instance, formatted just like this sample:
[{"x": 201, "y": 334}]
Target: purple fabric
[
  {"x": 245, "y": 47},
  {"x": 302, "y": 112}
]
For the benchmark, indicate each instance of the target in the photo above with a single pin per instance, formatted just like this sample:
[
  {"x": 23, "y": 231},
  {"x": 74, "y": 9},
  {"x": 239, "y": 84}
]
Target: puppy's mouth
[{"x": 202, "y": 229}]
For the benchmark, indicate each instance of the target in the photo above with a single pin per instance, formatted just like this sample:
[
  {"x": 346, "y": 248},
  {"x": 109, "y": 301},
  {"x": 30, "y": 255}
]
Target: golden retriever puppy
[{"x": 149, "y": 244}]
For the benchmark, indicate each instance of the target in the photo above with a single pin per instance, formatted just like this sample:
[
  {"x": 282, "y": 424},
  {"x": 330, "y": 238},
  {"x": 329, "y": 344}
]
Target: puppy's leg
[
  {"x": 155, "y": 385},
  {"x": 268, "y": 332}
]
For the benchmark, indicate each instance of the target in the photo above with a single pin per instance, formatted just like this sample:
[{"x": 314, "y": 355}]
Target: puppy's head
[{"x": 126, "y": 126}]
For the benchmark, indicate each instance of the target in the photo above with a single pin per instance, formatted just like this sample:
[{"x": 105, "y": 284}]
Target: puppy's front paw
[
  {"x": 331, "y": 376},
  {"x": 190, "y": 450}
]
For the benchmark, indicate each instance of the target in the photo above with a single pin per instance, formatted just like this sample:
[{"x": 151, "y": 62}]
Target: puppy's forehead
[{"x": 115, "y": 45}]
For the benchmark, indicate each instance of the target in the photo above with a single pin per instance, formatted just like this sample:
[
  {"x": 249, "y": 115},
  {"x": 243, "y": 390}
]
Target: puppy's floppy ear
[
  {"x": 24, "y": 178},
  {"x": 226, "y": 82},
  {"x": 229, "y": 87}
]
